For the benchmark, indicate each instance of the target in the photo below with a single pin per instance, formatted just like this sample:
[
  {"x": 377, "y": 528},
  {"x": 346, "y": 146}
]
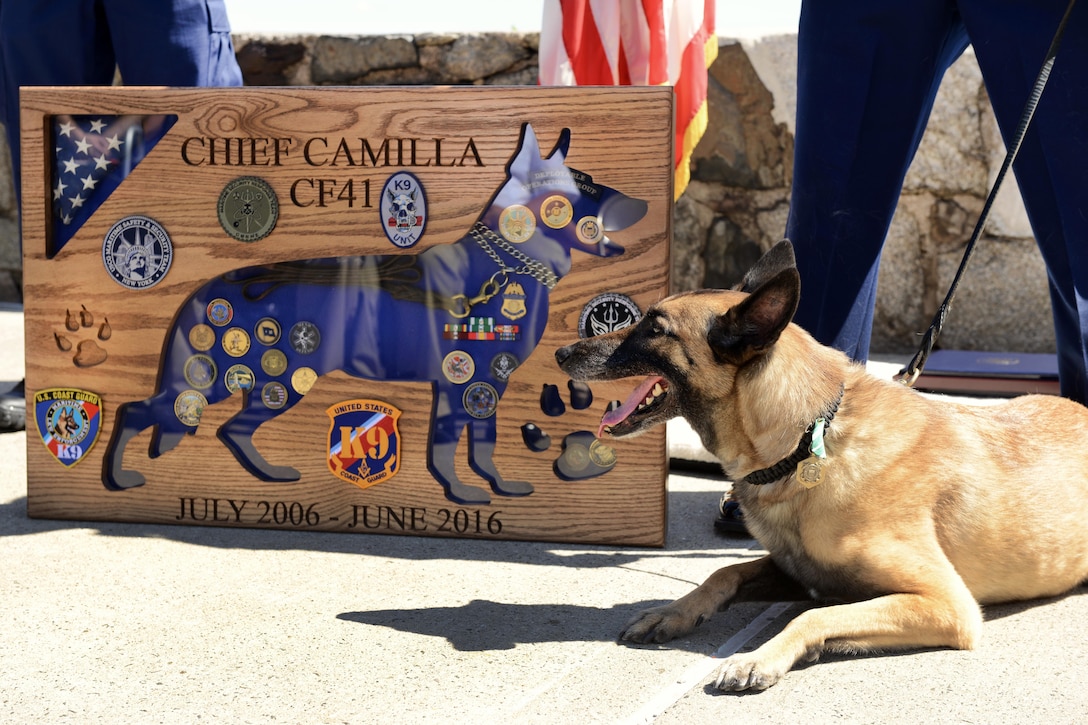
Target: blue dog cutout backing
[{"x": 460, "y": 315}]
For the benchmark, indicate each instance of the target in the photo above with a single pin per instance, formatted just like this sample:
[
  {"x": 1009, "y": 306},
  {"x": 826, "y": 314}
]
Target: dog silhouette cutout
[{"x": 443, "y": 315}]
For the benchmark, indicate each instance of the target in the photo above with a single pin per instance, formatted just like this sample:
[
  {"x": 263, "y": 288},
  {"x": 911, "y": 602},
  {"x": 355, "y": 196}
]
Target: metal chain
[{"x": 532, "y": 267}]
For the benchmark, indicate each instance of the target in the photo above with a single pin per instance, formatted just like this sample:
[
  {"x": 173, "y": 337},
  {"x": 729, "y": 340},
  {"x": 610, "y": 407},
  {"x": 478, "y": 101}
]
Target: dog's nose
[{"x": 563, "y": 354}]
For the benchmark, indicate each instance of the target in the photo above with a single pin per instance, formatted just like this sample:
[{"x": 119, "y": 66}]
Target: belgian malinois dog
[{"x": 904, "y": 512}]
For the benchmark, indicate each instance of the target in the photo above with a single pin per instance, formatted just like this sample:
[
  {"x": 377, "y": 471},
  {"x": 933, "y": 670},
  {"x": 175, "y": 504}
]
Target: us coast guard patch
[
  {"x": 68, "y": 421},
  {"x": 137, "y": 252},
  {"x": 404, "y": 209},
  {"x": 364, "y": 441}
]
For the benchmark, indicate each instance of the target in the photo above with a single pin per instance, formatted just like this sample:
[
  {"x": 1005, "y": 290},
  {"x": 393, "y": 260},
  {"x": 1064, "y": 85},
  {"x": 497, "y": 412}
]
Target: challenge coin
[
  {"x": 458, "y": 367},
  {"x": 556, "y": 211},
  {"x": 238, "y": 377},
  {"x": 188, "y": 407},
  {"x": 274, "y": 362},
  {"x": 589, "y": 230},
  {"x": 267, "y": 331},
  {"x": 236, "y": 342},
  {"x": 201, "y": 337},
  {"x": 200, "y": 371},
  {"x": 248, "y": 209},
  {"x": 220, "y": 312},
  {"x": 304, "y": 337},
  {"x": 480, "y": 400},
  {"x": 303, "y": 379},
  {"x": 274, "y": 395},
  {"x": 517, "y": 223}
]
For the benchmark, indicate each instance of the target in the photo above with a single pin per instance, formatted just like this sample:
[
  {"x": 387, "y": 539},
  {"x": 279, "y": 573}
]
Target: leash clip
[
  {"x": 461, "y": 305},
  {"x": 908, "y": 376}
]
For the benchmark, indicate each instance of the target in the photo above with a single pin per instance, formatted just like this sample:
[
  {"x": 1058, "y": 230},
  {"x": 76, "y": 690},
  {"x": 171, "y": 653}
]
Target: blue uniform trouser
[
  {"x": 868, "y": 71},
  {"x": 78, "y": 42}
]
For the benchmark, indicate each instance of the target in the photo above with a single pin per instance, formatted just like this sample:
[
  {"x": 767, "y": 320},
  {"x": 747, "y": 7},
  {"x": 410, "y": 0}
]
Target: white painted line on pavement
[{"x": 702, "y": 669}]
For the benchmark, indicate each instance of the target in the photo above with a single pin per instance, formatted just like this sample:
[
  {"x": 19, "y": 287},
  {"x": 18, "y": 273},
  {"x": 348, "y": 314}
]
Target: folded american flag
[{"x": 92, "y": 155}]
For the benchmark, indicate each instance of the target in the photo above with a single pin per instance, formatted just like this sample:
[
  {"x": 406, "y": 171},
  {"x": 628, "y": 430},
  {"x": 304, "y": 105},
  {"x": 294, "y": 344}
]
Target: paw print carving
[
  {"x": 88, "y": 352},
  {"x": 581, "y": 454}
]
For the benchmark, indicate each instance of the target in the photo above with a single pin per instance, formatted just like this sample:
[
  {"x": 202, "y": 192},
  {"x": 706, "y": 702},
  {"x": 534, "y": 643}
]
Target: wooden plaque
[{"x": 336, "y": 309}]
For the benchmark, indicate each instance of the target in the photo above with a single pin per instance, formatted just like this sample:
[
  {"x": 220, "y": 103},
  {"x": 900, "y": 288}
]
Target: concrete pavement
[{"x": 122, "y": 623}]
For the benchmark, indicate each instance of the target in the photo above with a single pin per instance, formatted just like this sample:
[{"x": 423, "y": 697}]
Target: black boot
[{"x": 13, "y": 408}]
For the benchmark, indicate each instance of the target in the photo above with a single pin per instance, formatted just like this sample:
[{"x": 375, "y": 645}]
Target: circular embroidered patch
[
  {"x": 607, "y": 312},
  {"x": 137, "y": 252}
]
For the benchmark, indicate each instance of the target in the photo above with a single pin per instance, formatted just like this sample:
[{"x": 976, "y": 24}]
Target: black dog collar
[{"x": 789, "y": 464}]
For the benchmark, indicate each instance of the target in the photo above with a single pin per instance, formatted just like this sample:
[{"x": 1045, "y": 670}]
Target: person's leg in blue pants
[
  {"x": 868, "y": 71},
  {"x": 1010, "y": 41},
  {"x": 867, "y": 76},
  {"x": 78, "y": 42}
]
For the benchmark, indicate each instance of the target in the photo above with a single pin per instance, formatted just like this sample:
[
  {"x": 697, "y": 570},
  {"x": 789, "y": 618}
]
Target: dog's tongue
[{"x": 633, "y": 400}]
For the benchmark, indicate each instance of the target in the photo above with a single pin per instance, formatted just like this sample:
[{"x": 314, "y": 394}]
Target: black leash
[{"x": 909, "y": 375}]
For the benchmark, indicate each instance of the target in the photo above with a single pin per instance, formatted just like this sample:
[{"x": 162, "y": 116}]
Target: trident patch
[
  {"x": 68, "y": 421},
  {"x": 364, "y": 442}
]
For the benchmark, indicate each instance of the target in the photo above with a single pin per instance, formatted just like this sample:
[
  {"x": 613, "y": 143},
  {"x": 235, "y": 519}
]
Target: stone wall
[
  {"x": 740, "y": 194},
  {"x": 737, "y": 202}
]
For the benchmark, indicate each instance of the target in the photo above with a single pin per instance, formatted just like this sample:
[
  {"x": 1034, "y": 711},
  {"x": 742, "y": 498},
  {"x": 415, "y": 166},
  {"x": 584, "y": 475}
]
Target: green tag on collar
[{"x": 817, "y": 445}]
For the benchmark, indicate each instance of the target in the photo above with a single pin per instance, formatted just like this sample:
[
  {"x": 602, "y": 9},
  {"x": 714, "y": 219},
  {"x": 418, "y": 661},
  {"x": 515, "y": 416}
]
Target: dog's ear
[
  {"x": 562, "y": 146},
  {"x": 777, "y": 258},
  {"x": 753, "y": 325}
]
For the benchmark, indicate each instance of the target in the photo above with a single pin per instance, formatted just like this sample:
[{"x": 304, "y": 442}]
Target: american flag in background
[
  {"x": 91, "y": 156},
  {"x": 636, "y": 42}
]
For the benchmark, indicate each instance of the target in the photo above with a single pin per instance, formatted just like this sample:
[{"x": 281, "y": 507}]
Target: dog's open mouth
[{"x": 633, "y": 413}]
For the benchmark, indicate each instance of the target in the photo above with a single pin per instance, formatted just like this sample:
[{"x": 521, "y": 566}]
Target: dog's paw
[
  {"x": 88, "y": 353},
  {"x": 659, "y": 624},
  {"x": 746, "y": 672},
  {"x": 582, "y": 456}
]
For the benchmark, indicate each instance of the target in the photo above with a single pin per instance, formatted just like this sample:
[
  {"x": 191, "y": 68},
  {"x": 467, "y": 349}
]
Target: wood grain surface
[{"x": 621, "y": 136}]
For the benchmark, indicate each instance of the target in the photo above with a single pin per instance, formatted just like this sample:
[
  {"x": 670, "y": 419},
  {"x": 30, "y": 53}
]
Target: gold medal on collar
[{"x": 810, "y": 472}]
